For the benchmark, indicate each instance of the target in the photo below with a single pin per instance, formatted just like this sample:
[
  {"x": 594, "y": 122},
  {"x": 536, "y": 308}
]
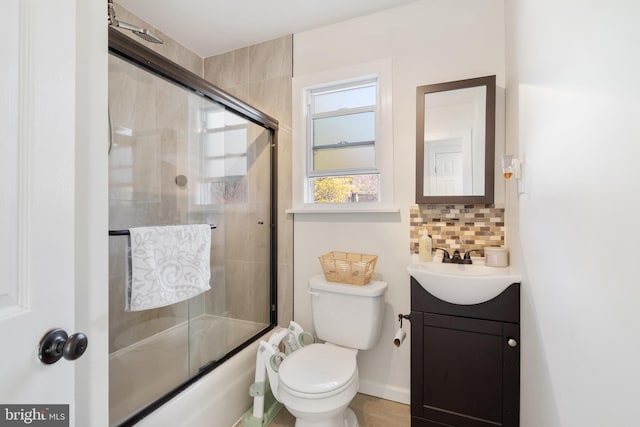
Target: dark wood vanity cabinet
[{"x": 465, "y": 361}]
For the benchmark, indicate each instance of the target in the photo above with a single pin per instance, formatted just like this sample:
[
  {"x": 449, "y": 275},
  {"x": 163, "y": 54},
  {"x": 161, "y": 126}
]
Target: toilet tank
[{"x": 347, "y": 315}]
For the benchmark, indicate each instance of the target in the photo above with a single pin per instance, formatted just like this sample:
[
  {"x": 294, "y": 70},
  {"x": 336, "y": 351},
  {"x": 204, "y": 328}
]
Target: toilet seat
[{"x": 318, "y": 371}]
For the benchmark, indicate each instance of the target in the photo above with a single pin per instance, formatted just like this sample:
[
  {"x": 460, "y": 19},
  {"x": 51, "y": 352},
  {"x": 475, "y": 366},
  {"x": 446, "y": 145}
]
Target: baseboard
[{"x": 386, "y": 391}]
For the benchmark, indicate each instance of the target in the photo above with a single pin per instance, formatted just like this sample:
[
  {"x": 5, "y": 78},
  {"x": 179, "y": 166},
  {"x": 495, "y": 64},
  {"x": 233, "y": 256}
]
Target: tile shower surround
[
  {"x": 261, "y": 75},
  {"x": 461, "y": 227},
  {"x": 267, "y": 86}
]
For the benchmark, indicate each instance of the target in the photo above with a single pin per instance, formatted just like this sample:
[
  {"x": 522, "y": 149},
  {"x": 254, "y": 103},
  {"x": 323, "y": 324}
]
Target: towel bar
[{"x": 127, "y": 233}]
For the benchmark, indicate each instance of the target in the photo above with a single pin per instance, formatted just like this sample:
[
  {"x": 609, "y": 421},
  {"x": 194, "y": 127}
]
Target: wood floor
[{"x": 371, "y": 412}]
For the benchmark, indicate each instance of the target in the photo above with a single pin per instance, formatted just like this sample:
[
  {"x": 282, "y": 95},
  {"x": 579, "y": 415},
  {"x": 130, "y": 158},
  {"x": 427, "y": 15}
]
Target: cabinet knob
[{"x": 512, "y": 342}]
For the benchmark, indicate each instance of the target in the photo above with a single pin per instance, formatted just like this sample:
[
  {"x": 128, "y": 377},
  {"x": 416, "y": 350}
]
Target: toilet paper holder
[
  {"x": 403, "y": 316},
  {"x": 398, "y": 339}
]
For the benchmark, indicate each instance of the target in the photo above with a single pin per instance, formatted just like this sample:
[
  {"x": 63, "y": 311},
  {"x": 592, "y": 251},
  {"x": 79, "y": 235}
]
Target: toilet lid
[
  {"x": 374, "y": 288},
  {"x": 318, "y": 368}
]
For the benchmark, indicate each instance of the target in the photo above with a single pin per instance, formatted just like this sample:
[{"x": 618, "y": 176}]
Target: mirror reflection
[{"x": 455, "y": 141}]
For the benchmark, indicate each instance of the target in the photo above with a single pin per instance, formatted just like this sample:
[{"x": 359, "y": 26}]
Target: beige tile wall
[
  {"x": 261, "y": 76},
  {"x": 147, "y": 119},
  {"x": 461, "y": 227},
  {"x": 157, "y": 111},
  {"x": 154, "y": 199},
  {"x": 247, "y": 235}
]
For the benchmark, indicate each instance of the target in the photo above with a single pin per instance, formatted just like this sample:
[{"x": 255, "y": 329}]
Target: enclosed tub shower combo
[{"x": 183, "y": 152}]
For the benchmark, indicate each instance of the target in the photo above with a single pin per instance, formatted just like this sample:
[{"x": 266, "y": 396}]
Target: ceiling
[{"x": 211, "y": 27}]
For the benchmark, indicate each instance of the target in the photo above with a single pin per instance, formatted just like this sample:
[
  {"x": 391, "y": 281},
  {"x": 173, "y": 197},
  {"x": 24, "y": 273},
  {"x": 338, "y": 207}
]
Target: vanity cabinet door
[{"x": 465, "y": 371}]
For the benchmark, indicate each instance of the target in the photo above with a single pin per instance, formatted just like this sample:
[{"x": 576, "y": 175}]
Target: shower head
[
  {"x": 148, "y": 36},
  {"x": 140, "y": 32},
  {"x": 143, "y": 33}
]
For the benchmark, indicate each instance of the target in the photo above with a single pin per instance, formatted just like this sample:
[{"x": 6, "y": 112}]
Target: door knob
[
  {"x": 56, "y": 344},
  {"x": 512, "y": 342}
]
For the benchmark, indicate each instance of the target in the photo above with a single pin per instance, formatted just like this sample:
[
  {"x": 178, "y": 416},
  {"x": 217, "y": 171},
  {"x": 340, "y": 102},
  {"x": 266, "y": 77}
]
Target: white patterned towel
[{"x": 169, "y": 264}]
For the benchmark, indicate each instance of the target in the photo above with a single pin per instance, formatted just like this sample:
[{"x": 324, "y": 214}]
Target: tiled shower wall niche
[{"x": 461, "y": 227}]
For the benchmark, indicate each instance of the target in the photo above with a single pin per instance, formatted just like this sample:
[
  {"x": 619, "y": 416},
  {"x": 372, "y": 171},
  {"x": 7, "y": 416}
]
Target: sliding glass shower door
[{"x": 177, "y": 157}]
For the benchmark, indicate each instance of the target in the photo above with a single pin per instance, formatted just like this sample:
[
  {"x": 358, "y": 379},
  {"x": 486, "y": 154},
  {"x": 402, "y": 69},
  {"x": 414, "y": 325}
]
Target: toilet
[{"x": 317, "y": 382}]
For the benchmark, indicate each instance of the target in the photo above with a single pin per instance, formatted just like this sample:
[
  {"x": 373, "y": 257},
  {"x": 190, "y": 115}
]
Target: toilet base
[
  {"x": 350, "y": 419},
  {"x": 346, "y": 419}
]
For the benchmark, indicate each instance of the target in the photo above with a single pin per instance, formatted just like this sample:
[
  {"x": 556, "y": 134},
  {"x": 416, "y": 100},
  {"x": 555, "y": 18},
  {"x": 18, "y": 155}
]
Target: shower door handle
[{"x": 56, "y": 344}]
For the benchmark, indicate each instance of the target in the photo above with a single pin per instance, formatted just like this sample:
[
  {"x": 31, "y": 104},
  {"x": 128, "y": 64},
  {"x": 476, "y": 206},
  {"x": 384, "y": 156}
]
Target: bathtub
[{"x": 218, "y": 399}]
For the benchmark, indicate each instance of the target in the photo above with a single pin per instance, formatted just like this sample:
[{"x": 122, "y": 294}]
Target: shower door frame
[{"x": 139, "y": 55}]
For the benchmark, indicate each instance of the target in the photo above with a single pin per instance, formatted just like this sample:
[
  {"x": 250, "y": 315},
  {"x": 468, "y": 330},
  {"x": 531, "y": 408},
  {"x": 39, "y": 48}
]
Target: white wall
[
  {"x": 429, "y": 41},
  {"x": 91, "y": 218},
  {"x": 572, "y": 101}
]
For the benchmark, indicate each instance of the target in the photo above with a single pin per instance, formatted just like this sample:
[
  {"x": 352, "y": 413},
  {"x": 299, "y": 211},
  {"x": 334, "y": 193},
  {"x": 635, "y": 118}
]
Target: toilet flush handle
[{"x": 315, "y": 294}]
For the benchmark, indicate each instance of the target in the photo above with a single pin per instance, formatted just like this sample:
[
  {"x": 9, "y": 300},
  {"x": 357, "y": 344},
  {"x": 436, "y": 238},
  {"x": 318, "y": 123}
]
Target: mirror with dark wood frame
[{"x": 455, "y": 141}]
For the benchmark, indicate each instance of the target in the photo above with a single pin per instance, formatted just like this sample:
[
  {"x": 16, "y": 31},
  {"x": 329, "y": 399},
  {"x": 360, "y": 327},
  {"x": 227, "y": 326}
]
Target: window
[
  {"x": 344, "y": 140},
  {"x": 341, "y": 132},
  {"x": 224, "y": 144},
  {"x": 220, "y": 144}
]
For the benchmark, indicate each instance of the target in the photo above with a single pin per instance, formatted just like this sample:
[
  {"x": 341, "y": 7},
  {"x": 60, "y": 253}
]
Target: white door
[
  {"x": 448, "y": 179},
  {"x": 449, "y": 160},
  {"x": 53, "y": 204}
]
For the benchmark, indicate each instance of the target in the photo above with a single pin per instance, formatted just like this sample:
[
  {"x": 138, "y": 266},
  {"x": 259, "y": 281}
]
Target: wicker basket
[{"x": 345, "y": 267}]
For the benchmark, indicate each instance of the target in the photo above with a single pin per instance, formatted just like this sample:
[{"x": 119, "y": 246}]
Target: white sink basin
[{"x": 462, "y": 283}]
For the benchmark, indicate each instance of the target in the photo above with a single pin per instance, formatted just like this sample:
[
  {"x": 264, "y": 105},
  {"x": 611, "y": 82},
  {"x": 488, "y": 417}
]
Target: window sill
[{"x": 341, "y": 211}]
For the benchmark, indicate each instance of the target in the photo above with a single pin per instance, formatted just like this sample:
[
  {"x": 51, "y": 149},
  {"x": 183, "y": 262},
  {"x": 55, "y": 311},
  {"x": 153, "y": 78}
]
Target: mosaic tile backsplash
[{"x": 461, "y": 227}]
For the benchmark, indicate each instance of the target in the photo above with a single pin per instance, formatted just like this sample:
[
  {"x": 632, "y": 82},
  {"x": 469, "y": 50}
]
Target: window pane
[
  {"x": 215, "y": 117},
  {"x": 358, "y": 157},
  {"x": 346, "y": 189},
  {"x": 232, "y": 119},
  {"x": 228, "y": 166},
  {"x": 235, "y": 166},
  {"x": 214, "y": 144},
  {"x": 346, "y": 98},
  {"x": 214, "y": 168},
  {"x": 235, "y": 141},
  {"x": 358, "y": 127}
]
